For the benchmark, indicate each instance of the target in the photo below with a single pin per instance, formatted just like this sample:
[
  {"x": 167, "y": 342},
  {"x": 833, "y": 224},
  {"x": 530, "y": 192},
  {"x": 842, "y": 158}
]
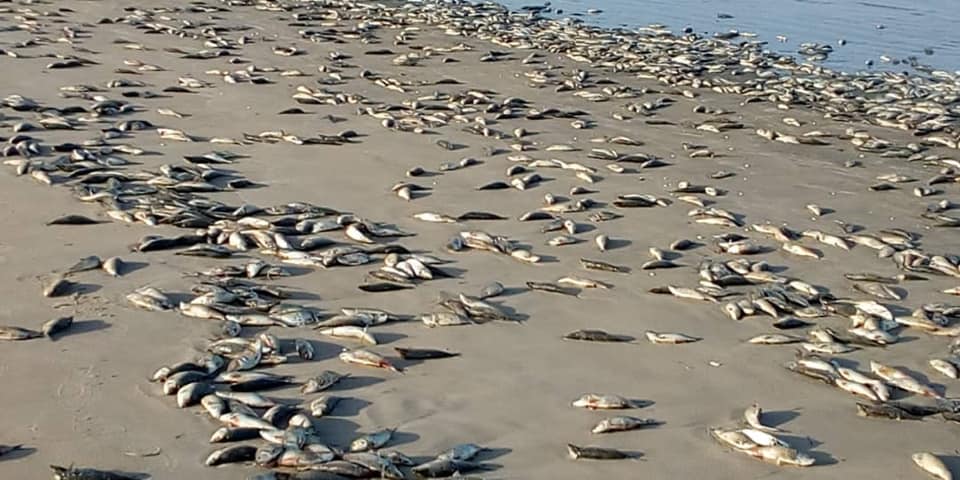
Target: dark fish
[
  {"x": 884, "y": 411},
  {"x": 5, "y": 449},
  {"x": 206, "y": 250},
  {"x": 553, "y": 288},
  {"x": 596, "y": 336},
  {"x": 233, "y": 454},
  {"x": 595, "y": 453},
  {"x": 151, "y": 244},
  {"x": 262, "y": 383},
  {"x": 231, "y": 434},
  {"x": 788, "y": 323},
  {"x": 442, "y": 467},
  {"x": 74, "y": 473},
  {"x": 423, "y": 353},
  {"x": 602, "y": 266},
  {"x": 480, "y": 216},
  {"x": 292, "y": 111},
  {"x": 73, "y": 220},
  {"x": 382, "y": 287},
  {"x": 658, "y": 264},
  {"x": 497, "y": 185},
  {"x": 18, "y": 333}
]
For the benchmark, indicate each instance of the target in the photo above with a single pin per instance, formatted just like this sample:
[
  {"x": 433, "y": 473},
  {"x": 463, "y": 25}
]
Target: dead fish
[
  {"x": 602, "y": 266},
  {"x": 551, "y": 288},
  {"x": 622, "y": 423},
  {"x": 382, "y": 287},
  {"x": 73, "y": 220},
  {"x": 323, "y": 405},
  {"x": 596, "y": 336},
  {"x": 423, "y": 353},
  {"x": 55, "y": 326},
  {"x": 56, "y": 286},
  {"x": 324, "y": 381},
  {"x": 492, "y": 289},
  {"x": 368, "y": 358},
  {"x": 445, "y": 467},
  {"x": 882, "y": 410},
  {"x": 17, "y": 333},
  {"x": 932, "y": 465},
  {"x": 669, "y": 338},
  {"x": 77, "y": 473},
  {"x": 752, "y": 416},
  {"x": 5, "y": 449},
  {"x": 595, "y": 453},
  {"x": 774, "y": 339},
  {"x": 84, "y": 264},
  {"x": 372, "y": 441},
  {"x": 232, "y": 454},
  {"x": 113, "y": 266},
  {"x": 598, "y": 401}
]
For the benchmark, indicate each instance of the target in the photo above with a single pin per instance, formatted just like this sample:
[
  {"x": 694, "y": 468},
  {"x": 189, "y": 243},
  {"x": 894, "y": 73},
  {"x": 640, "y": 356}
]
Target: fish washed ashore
[{"x": 332, "y": 239}]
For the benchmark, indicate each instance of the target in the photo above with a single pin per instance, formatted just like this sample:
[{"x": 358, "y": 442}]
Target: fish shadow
[
  {"x": 617, "y": 243},
  {"x": 511, "y": 291},
  {"x": 779, "y": 417},
  {"x": 321, "y": 350},
  {"x": 176, "y": 298},
  {"x": 339, "y": 431},
  {"x": 640, "y": 403},
  {"x": 952, "y": 462},
  {"x": 402, "y": 438},
  {"x": 353, "y": 382},
  {"x": 488, "y": 454},
  {"x": 19, "y": 453},
  {"x": 84, "y": 288},
  {"x": 297, "y": 271},
  {"x": 447, "y": 272},
  {"x": 83, "y": 326},
  {"x": 547, "y": 258},
  {"x": 386, "y": 338},
  {"x": 302, "y": 295},
  {"x": 420, "y": 194},
  {"x": 130, "y": 267},
  {"x": 350, "y": 407},
  {"x": 588, "y": 227}
]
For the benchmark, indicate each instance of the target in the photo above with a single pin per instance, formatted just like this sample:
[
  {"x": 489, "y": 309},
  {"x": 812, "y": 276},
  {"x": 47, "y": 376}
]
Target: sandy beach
[{"x": 85, "y": 398}]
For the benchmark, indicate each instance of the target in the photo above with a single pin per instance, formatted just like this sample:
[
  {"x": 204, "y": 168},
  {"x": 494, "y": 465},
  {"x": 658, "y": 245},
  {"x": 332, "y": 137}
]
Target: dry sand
[{"x": 85, "y": 399}]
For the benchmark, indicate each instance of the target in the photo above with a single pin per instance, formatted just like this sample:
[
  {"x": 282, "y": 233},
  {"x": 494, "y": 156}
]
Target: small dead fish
[
  {"x": 17, "y": 333},
  {"x": 56, "y": 286},
  {"x": 598, "y": 401},
  {"x": 84, "y": 264},
  {"x": 669, "y": 338},
  {"x": 622, "y": 423},
  {"x": 368, "y": 358},
  {"x": 596, "y": 336},
  {"x": 602, "y": 266},
  {"x": 551, "y": 288},
  {"x": 932, "y": 465},
  {"x": 73, "y": 220},
  {"x": 423, "y": 353},
  {"x": 325, "y": 380},
  {"x": 595, "y": 453},
  {"x": 232, "y": 454}
]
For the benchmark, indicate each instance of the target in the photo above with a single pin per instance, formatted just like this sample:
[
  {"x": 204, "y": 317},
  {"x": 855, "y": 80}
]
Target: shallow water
[{"x": 925, "y": 29}]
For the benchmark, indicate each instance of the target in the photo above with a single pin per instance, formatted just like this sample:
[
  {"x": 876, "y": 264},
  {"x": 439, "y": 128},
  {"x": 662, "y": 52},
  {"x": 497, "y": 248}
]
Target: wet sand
[{"x": 85, "y": 399}]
